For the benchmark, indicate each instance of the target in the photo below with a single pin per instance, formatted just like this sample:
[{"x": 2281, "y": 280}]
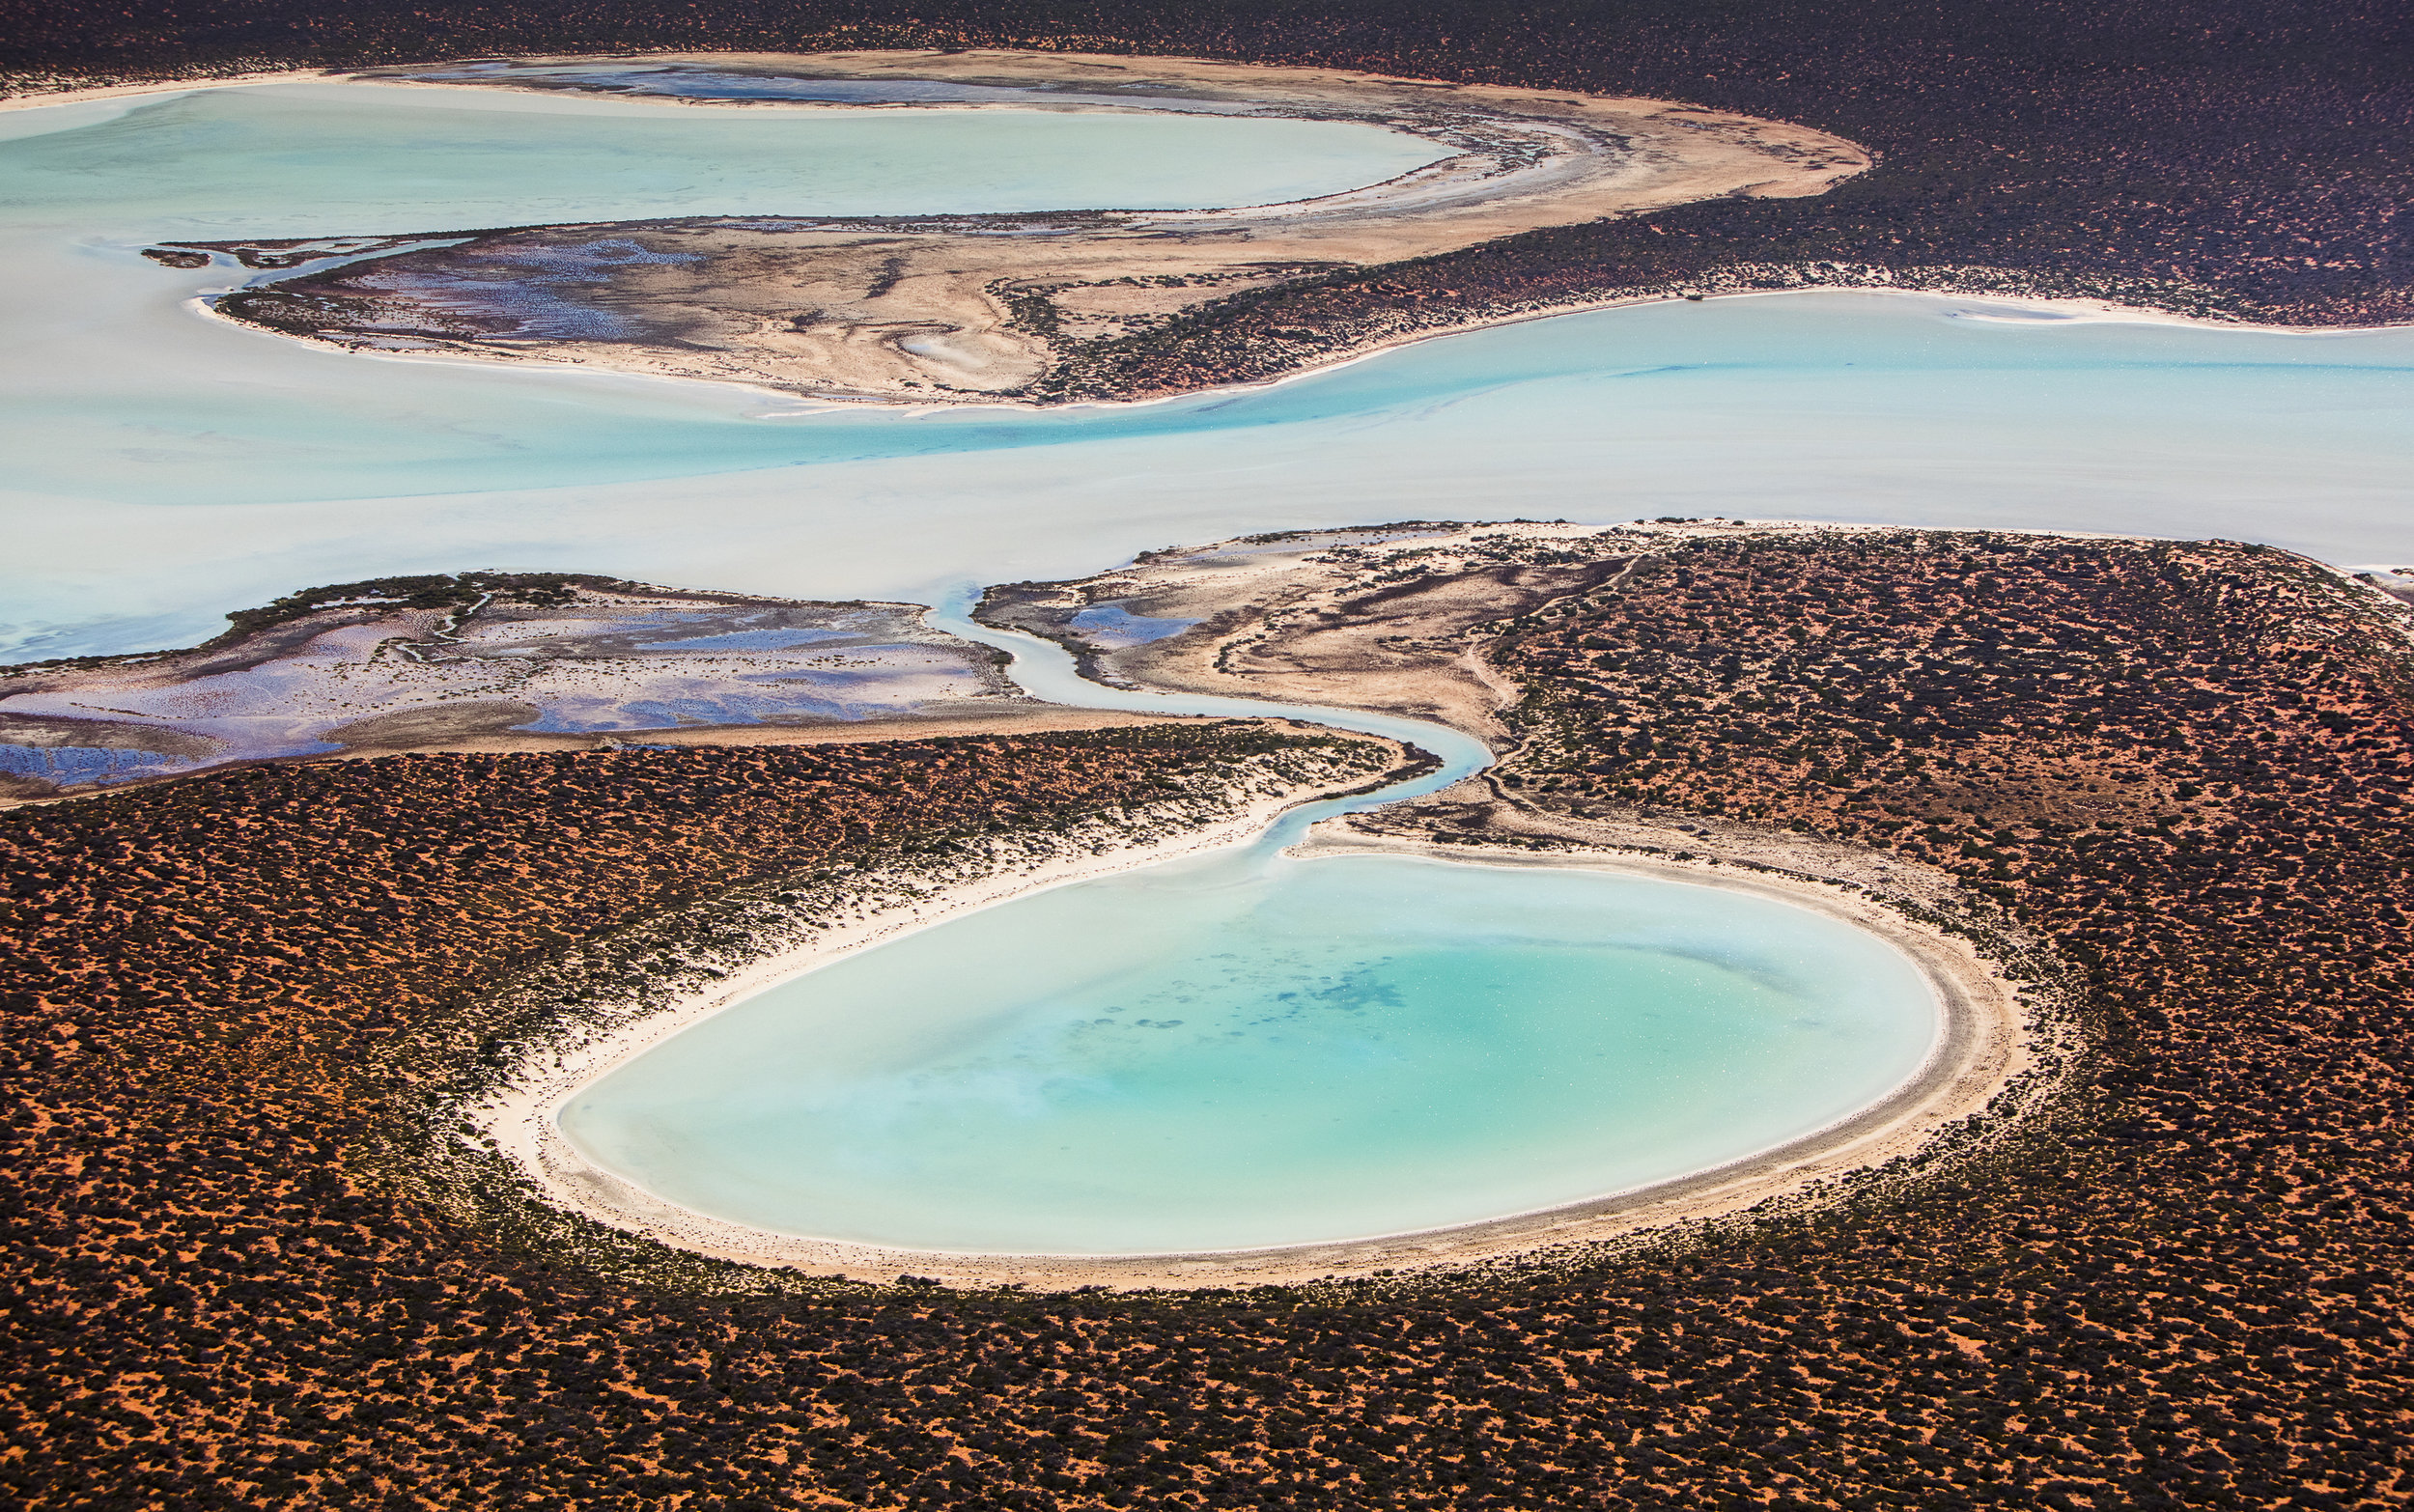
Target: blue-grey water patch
[
  {"x": 76, "y": 765},
  {"x": 1113, "y": 625}
]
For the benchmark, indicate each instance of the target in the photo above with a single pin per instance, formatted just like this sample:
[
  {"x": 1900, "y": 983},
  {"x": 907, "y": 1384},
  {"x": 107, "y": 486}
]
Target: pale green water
[
  {"x": 312, "y": 158},
  {"x": 1247, "y": 1051}
]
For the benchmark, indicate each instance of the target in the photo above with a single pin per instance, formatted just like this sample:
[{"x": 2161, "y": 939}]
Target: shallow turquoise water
[
  {"x": 1245, "y": 1048},
  {"x": 1245, "y": 1052},
  {"x": 166, "y": 468},
  {"x": 324, "y": 158}
]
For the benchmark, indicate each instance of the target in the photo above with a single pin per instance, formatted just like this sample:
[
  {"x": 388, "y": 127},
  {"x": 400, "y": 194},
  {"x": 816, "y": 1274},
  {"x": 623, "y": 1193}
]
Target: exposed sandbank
[{"x": 956, "y": 308}]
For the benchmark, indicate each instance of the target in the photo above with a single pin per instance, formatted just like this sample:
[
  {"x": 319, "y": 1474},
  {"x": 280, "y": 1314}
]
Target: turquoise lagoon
[
  {"x": 166, "y": 468},
  {"x": 1250, "y": 1050}
]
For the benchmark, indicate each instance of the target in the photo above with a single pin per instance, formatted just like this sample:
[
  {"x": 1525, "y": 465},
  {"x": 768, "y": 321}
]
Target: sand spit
[
  {"x": 1392, "y": 619},
  {"x": 971, "y": 308}
]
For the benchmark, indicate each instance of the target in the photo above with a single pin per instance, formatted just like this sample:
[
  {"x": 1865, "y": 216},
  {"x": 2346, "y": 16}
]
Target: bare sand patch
[{"x": 942, "y": 309}]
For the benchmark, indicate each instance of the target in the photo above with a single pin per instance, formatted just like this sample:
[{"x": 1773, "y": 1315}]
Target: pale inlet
[{"x": 1245, "y": 1051}]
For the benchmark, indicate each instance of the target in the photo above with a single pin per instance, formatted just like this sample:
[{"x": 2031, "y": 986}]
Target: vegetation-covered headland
[
  {"x": 2227, "y": 161},
  {"x": 2178, "y": 1281}
]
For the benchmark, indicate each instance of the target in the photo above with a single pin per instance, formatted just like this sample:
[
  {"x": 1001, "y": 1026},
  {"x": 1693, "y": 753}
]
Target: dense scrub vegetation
[
  {"x": 2209, "y": 156},
  {"x": 2190, "y": 768},
  {"x": 230, "y": 1003}
]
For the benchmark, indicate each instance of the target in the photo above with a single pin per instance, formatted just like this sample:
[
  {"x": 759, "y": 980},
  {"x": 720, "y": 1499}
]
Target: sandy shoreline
[
  {"x": 77, "y": 96},
  {"x": 2066, "y": 310},
  {"x": 629, "y": 363},
  {"x": 1981, "y": 1045},
  {"x": 955, "y": 311},
  {"x": 519, "y": 1119},
  {"x": 803, "y": 405}
]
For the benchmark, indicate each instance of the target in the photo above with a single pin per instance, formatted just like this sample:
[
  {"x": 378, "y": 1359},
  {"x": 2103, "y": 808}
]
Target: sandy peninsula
[{"x": 939, "y": 309}]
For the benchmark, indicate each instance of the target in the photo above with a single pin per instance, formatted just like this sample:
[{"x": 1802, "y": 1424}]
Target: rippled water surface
[{"x": 1248, "y": 1051}]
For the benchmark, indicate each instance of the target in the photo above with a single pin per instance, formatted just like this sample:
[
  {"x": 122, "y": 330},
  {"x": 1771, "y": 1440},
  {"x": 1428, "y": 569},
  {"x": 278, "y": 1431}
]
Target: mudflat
[
  {"x": 940, "y": 309},
  {"x": 493, "y": 661}
]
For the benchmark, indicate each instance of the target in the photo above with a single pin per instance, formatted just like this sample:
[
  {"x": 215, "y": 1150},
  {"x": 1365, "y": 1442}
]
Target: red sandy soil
[{"x": 2186, "y": 768}]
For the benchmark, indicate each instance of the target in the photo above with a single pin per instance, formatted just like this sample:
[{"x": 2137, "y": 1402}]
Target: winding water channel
[{"x": 166, "y": 468}]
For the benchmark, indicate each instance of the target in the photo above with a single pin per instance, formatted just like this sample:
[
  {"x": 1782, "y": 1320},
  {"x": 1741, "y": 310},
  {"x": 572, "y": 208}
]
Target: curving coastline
[
  {"x": 519, "y": 1116},
  {"x": 1112, "y": 307},
  {"x": 2181, "y": 1278},
  {"x": 1984, "y": 1043},
  {"x": 2210, "y": 856}
]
